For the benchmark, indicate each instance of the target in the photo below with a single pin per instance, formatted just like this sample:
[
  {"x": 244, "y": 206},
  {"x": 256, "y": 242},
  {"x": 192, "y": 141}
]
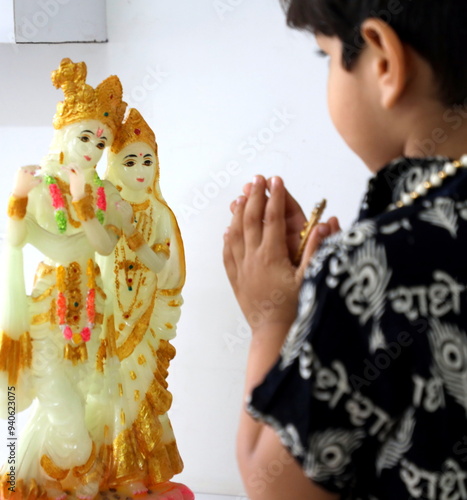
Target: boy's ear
[{"x": 390, "y": 59}]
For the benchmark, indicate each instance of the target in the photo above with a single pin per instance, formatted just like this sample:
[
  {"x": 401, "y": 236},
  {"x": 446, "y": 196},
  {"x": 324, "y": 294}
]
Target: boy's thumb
[{"x": 319, "y": 233}]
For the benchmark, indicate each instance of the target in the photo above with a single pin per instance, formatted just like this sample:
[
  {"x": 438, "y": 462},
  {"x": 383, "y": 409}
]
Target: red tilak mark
[{"x": 99, "y": 132}]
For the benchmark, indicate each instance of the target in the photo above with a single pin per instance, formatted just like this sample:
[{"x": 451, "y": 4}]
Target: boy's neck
[{"x": 437, "y": 132}]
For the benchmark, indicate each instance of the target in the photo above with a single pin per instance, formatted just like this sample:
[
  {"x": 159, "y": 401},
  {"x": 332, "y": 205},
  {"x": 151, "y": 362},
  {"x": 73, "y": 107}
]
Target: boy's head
[
  {"x": 436, "y": 29},
  {"x": 423, "y": 40}
]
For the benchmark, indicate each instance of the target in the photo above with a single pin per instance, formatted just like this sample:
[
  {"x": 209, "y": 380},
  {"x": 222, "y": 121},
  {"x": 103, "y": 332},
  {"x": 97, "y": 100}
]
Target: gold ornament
[
  {"x": 308, "y": 227},
  {"x": 17, "y": 207},
  {"x": 61, "y": 158},
  {"x": 115, "y": 230},
  {"x": 162, "y": 248},
  {"x": 134, "y": 129},
  {"x": 75, "y": 353},
  {"x": 135, "y": 241},
  {"x": 52, "y": 469},
  {"x": 84, "y": 208},
  {"x": 15, "y": 355},
  {"x": 82, "y": 102}
]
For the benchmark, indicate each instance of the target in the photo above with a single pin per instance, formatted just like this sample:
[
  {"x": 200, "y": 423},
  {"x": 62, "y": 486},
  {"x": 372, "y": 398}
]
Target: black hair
[{"x": 436, "y": 29}]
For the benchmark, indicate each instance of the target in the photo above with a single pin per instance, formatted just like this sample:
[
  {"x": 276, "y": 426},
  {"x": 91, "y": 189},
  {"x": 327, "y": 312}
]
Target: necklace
[
  {"x": 134, "y": 272},
  {"x": 69, "y": 298},
  {"x": 59, "y": 202},
  {"x": 436, "y": 180}
]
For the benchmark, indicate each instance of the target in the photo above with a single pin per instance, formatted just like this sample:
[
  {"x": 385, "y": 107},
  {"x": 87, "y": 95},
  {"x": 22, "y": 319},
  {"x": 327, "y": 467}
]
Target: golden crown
[
  {"x": 82, "y": 102},
  {"x": 134, "y": 129}
]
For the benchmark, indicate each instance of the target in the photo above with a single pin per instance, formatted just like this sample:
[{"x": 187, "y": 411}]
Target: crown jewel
[
  {"x": 82, "y": 102},
  {"x": 134, "y": 129}
]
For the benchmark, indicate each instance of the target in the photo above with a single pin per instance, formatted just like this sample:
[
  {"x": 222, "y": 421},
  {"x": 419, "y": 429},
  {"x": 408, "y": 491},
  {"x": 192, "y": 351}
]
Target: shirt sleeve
[{"x": 326, "y": 397}]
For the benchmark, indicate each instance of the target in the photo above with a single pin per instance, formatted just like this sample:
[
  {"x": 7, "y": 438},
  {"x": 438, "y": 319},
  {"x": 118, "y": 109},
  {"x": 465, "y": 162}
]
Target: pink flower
[
  {"x": 91, "y": 305},
  {"x": 67, "y": 333},
  {"x": 86, "y": 334},
  {"x": 57, "y": 198},
  {"x": 101, "y": 199},
  {"x": 61, "y": 308}
]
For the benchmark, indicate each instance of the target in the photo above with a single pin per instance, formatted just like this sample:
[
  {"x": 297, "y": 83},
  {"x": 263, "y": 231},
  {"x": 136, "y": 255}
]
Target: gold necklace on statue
[{"x": 133, "y": 269}]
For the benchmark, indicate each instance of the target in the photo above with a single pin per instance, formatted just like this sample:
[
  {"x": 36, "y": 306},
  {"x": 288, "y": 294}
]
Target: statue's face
[
  {"x": 135, "y": 166},
  {"x": 84, "y": 142}
]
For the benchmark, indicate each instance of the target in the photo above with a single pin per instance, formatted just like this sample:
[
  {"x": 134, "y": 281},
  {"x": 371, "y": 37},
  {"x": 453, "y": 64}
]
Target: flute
[{"x": 308, "y": 227}]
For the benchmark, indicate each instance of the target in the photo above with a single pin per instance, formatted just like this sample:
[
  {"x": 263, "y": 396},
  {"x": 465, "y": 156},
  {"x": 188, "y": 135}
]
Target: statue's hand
[
  {"x": 77, "y": 181},
  {"x": 26, "y": 180},
  {"x": 127, "y": 216}
]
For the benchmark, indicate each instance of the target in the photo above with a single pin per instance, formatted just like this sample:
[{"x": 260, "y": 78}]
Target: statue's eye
[
  {"x": 148, "y": 163},
  {"x": 101, "y": 145},
  {"x": 129, "y": 163},
  {"x": 84, "y": 138}
]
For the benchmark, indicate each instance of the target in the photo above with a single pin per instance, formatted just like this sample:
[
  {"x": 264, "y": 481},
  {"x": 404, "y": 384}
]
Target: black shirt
[{"x": 370, "y": 391}]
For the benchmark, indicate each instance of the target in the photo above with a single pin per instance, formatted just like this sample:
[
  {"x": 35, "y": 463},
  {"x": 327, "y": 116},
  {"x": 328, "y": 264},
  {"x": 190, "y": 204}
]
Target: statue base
[{"x": 165, "y": 491}]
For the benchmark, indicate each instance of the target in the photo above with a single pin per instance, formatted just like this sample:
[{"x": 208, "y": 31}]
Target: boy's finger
[
  {"x": 319, "y": 233},
  {"x": 254, "y": 212},
  {"x": 233, "y": 204},
  {"x": 247, "y": 189},
  {"x": 334, "y": 225},
  {"x": 246, "y": 192},
  {"x": 236, "y": 231},
  {"x": 275, "y": 227},
  {"x": 229, "y": 261},
  {"x": 291, "y": 205}
]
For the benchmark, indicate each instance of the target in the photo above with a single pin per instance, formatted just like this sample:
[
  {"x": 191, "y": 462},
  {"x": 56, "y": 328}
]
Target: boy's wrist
[
  {"x": 274, "y": 310},
  {"x": 265, "y": 348},
  {"x": 271, "y": 330}
]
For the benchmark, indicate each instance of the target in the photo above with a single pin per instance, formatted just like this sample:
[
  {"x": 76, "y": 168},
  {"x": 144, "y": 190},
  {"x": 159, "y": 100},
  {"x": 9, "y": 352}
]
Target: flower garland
[
  {"x": 101, "y": 201},
  {"x": 58, "y": 201},
  {"x": 61, "y": 304},
  {"x": 85, "y": 334},
  {"x": 90, "y": 301}
]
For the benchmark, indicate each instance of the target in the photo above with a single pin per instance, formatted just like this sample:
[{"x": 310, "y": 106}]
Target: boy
[{"x": 358, "y": 368}]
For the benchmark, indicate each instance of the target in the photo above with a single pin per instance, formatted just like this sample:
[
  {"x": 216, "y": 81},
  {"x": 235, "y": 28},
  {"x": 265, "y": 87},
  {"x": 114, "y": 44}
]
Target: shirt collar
[{"x": 398, "y": 177}]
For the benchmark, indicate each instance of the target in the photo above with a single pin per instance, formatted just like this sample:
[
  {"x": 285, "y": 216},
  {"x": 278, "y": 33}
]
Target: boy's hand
[
  {"x": 294, "y": 218},
  {"x": 258, "y": 252}
]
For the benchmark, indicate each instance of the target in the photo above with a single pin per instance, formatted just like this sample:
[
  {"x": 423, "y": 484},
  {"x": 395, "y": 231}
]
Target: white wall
[{"x": 208, "y": 80}]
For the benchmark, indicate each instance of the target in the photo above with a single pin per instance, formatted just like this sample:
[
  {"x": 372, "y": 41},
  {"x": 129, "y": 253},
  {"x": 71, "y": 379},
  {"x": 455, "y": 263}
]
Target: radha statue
[
  {"x": 50, "y": 340},
  {"x": 143, "y": 282}
]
